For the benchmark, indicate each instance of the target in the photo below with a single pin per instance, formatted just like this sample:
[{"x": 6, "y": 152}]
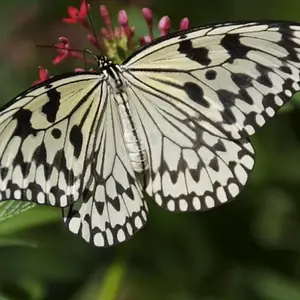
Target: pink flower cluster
[{"x": 122, "y": 35}]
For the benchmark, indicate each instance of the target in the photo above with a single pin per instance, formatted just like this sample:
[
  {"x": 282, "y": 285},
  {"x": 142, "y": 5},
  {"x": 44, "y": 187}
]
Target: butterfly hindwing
[
  {"x": 112, "y": 207},
  {"x": 191, "y": 168},
  {"x": 44, "y": 136}
]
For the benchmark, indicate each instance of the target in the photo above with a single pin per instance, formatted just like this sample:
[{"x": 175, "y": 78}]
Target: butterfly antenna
[
  {"x": 85, "y": 63},
  {"x": 93, "y": 27},
  {"x": 59, "y": 48}
]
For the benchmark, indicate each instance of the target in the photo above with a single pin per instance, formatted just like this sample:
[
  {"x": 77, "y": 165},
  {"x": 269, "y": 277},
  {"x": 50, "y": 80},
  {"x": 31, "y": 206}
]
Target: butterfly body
[
  {"x": 112, "y": 74},
  {"x": 134, "y": 145},
  {"x": 118, "y": 89},
  {"x": 179, "y": 112}
]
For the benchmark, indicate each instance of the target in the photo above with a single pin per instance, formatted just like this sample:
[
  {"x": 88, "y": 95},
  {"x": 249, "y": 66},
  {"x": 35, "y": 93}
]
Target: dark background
[{"x": 248, "y": 249}]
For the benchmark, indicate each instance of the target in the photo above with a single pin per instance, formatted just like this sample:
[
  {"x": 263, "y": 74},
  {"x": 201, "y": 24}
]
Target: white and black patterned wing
[
  {"x": 198, "y": 95},
  {"x": 112, "y": 207},
  {"x": 233, "y": 75},
  {"x": 44, "y": 134},
  {"x": 191, "y": 167}
]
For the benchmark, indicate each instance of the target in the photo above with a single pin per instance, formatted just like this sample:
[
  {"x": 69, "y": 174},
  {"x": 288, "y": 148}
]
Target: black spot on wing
[
  {"x": 219, "y": 146},
  {"x": 199, "y": 55},
  {"x": 51, "y": 108},
  {"x": 234, "y": 47},
  {"x": 56, "y": 133},
  {"x": 3, "y": 172},
  {"x": 228, "y": 116},
  {"x": 116, "y": 201},
  {"x": 285, "y": 69},
  {"x": 241, "y": 80},
  {"x": 263, "y": 78},
  {"x": 214, "y": 164},
  {"x": 195, "y": 93},
  {"x": 76, "y": 139},
  {"x": 99, "y": 206},
  {"x": 193, "y": 90},
  {"x": 210, "y": 75},
  {"x": 195, "y": 173},
  {"x": 227, "y": 98},
  {"x": 269, "y": 101},
  {"x": 60, "y": 163},
  {"x": 23, "y": 127},
  {"x": 24, "y": 166},
  {"x": 86, "y": 195},
  {"x": 40, "y": 154},
  {"x": 185, "y": 46},
  {"x": 244, "y": 95}
]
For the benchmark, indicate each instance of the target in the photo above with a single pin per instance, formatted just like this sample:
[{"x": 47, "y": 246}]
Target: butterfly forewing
[
  {"x": 236, "y": 74},
  {"x": 44, "y": 137}
]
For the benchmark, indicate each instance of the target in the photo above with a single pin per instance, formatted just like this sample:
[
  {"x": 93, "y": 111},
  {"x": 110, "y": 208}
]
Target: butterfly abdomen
[{"x": 136, "y": 149}]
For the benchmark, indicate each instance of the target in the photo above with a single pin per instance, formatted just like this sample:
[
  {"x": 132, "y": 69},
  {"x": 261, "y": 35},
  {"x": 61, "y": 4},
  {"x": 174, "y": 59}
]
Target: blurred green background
[{"x": 248, "y": 249}]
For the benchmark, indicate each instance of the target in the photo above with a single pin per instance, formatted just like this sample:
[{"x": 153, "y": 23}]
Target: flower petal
[
  {"x": 122, "y": 17},
  {"x": 84, "y": 8},
  {"x": 164, "y": 25},
  {"x": 73, "y": 12},
  {"x": 69, "y": 20},
  {"x": 184, "y": 24}
]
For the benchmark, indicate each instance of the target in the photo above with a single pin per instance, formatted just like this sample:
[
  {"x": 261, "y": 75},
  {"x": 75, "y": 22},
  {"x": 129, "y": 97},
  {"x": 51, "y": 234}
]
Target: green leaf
[
  {"x": 9, "y": 209},
  {"x": 111, "y": 284},
  {"x": 113, "y": 281},
  {"x": 274, "y": 286},
  {"x": 38, "y": 215},
  {"x": 3, "y": 297},
  {"x": 9, "y": 242}
]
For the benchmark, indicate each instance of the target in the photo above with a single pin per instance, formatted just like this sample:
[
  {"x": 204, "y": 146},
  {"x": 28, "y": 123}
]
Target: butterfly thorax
[
  {"x": 112, "y": 73},
  {"x": 134, "y": 145}
]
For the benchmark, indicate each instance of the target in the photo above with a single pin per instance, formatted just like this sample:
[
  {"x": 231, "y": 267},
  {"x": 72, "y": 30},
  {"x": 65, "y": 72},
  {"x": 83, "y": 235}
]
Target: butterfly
[{"x": 172, "y": 123}]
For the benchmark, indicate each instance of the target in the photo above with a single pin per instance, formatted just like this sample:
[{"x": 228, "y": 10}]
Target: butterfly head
[
  {"x": 112, "y": 73},
  {"x": 104, "y": 63}
]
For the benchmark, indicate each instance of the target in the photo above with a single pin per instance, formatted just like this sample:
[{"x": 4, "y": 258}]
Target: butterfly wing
[
  {"x": 111, "y": 208},
  {"x": 197, "y": 95},
  {"x": 191, "y": 168},
  {"x": 234, "y": 75},
  {"x": 45, "y": 133}
]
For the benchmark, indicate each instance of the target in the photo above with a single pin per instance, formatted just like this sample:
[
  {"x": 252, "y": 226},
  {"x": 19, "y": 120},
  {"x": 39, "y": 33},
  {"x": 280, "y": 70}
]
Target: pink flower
[
  {"x": 164, "y": 25},
  {"x": 78, "y": 15},
  {"x": 63, "y": 48},
  {"x": 43, "y": 75},
  {"x": 184, "y": 24},
  {"x": 148, "y": 16},
  {"x": 123, "y": 21},
  {"x": 116, "y": 42}
]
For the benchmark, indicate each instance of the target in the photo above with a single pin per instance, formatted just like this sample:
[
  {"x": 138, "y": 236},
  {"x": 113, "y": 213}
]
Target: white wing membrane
[
  {"x": 191, "y": 168},
  {"x": 44, "y": 137},
  {"x": 112, "y": 206},
  {"x": 236, "y": 74},
  {"x": 198, "y": 95}
]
